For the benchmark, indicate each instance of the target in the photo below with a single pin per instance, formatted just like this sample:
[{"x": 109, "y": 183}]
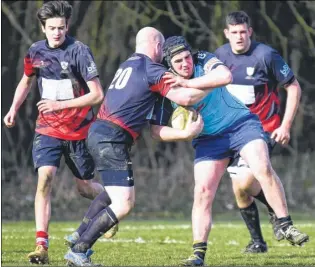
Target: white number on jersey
[{"x": 121, "y": 78}]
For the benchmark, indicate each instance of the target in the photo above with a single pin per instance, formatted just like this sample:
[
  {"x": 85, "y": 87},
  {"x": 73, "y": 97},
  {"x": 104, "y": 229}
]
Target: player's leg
[
  {"x": 81, "y": 163},
  {"x": 207, "y": 178},
  {"x": 244, "y": 186},
  {"x": 256, "y": 155},
  {"x": 116, "y": 172},
  {"x": 47, "y": 152},
  {"x": 210, "y": 164}
]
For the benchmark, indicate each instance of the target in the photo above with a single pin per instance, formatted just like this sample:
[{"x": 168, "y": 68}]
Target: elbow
[
  {"x": 228, "y": 77},
  {"x": 99, "y": 98}
]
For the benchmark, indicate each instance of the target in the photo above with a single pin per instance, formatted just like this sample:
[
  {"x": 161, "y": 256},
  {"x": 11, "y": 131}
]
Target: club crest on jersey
[
  {"x": 250, "y": 72},
  {"x": 64, "y": 65}
]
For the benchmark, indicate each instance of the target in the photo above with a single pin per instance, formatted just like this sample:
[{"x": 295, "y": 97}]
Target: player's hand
[
  {"x": 9, "y": 119},
  {"x": 281, "y": 135},
  {"x": 47, "y": 105},
  {"x": 194, "y": 127},
  {"x": 175, "y": 80}
]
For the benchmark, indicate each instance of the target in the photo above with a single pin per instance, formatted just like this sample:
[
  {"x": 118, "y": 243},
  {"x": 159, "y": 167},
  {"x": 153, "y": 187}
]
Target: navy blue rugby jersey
[
  {"x": 62, "y": 73},
  {"x": 257, "y": 76},
  {"x": 132, "y": 93}
]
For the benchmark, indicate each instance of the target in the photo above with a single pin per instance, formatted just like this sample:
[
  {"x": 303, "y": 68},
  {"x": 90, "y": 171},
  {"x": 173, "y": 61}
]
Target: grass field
[{"x": 160, "y": 243}]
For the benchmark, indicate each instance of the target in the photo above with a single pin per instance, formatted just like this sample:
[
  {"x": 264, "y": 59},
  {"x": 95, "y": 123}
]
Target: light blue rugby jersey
[{"x": 219, "y": 109}]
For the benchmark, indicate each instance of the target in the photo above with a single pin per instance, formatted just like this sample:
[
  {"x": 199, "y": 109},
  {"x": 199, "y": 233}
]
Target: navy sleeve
[
  {"x": 155, "y": 73},
  {"x": 162, "y": 111},
  {"x": 86, "y": 64},
  {"x": 279, "y": 68}
]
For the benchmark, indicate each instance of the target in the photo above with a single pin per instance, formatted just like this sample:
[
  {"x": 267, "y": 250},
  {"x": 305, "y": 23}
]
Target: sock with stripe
[
  {"x": 42, "y": 239},
  {"x": 200, "y": 249}
]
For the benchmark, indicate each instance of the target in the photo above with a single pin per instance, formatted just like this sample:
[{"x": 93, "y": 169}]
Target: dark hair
[
  {"x": 172, "y": 46},
  {"x": 54, "y": 9},
  {"x": 237, "y": 17}
]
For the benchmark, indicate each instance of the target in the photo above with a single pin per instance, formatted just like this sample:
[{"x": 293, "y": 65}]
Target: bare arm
[
  {"x": 168, "y": 134},
  {"x": 282, "y": 134},
  {"x": 94, "y": 97},
  {"x": 292, "y": 103},
  {"x": 220, "y": 76},
  {"x": 187, "y": 96},
  {"x": 20, "y": 95}
]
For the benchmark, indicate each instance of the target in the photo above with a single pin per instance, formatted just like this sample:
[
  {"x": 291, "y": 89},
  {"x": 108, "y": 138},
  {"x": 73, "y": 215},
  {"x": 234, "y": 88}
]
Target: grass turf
[{"x": 161, "y": 243}]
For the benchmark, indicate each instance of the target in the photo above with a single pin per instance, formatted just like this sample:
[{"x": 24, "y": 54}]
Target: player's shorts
[
  {"x": 47, "y": 151},
  {"x": 238, "y": 165},
  {"x": 229, "y": 143},
  {"x": 109, "y": 146}
]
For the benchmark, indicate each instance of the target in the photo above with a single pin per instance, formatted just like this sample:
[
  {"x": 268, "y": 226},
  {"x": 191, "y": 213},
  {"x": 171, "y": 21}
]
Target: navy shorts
[
  {"x": 110, "y": 146},
  {"x": 229, "y": 143},
  {"x": 47, "y": 151},
  {"x": 238, "y": 162}
]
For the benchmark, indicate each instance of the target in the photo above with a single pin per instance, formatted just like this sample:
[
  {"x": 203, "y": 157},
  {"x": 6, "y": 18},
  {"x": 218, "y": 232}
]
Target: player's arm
[
  {"x": 169, "y": 134},
  {"x": 280, "y": 70},
  {"x": 187, "y": 96},
  {"x": 180, "y": 95},
  {"x": 160, "y": 130},
  {"x": 21, "y": 92},
  {"x": 216, "y": 75},
  {"x": 292, "y": 103}
]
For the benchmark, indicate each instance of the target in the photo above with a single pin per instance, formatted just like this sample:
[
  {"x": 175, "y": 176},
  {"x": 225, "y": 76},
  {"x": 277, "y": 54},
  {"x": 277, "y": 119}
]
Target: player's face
[
  {"x": 183, "y": 64},
  {"x": 55, "y": 30},
  {"x": 239, "y": 37}
]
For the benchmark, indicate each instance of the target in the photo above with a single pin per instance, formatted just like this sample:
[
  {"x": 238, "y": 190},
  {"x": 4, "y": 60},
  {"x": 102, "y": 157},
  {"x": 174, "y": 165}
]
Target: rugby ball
[{"x": 180, "y": 117}]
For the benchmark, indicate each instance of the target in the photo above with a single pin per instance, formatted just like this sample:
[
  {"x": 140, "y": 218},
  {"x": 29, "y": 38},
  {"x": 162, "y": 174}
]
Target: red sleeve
[
  {"x": 160, "y": 87},
  {"x": 28, "y": 66}
]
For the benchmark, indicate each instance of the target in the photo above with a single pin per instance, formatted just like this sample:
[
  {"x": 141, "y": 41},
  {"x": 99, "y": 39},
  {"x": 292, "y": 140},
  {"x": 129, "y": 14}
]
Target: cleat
[
  {"x": 79, "y": 259},
  {"x": 39, "y": 256},
  {"x": 294, "y": 236},
  {"x": 193, "y": 260},
  {"x": 273, "y": 220},
  {"x": 70, "y": 240},
  {"x": 256, "y": 247},
  {"x": 111, "y": 232}
]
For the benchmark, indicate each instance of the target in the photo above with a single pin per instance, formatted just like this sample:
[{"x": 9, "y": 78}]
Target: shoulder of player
[
  {"x": 223, "y": 48},
  {"x": 201, "y": 56},
  {"x": 263, "y": 50},
  {"x": 37, "y": 45}
]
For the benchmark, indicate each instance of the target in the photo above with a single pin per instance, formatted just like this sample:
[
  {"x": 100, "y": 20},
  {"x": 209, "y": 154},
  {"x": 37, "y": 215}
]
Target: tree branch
[{"x": 6, "y": 10}]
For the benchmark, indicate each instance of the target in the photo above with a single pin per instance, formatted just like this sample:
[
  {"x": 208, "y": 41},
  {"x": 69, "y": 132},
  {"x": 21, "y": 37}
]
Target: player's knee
[
  {"x": 124, "y": 205},
  {"x": 203, "y": 195},
  {"x": 44, "y": 184},
  {"x": 263, "y": 172}
]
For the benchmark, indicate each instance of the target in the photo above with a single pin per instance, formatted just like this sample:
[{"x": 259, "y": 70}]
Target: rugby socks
[
  {"x": 261, "y": 197},
  {"x": 100, "y": 224},
  {"x": 251, "y": 217},
  {"x": 99, "y": 203},
  {"x": 200, "y": 249},
  {"x": 42, "y": 239}
]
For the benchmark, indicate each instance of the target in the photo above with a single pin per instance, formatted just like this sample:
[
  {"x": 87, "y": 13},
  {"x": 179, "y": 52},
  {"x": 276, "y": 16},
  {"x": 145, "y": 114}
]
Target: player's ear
[
  {"x": 43, "y": 29},
  {"x": 250, "y": 31},
  {"x": 226, "y": 33}
]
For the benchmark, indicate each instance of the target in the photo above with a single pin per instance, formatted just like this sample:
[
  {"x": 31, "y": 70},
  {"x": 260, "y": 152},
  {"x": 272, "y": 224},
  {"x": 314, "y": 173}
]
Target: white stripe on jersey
[
  {"x": 57, "y": 89},
  {"x": 245, "y": 93}
]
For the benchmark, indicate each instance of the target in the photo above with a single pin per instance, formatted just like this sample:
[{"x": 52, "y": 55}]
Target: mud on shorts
[
  {"x": 47, "y": 151},
  {"x": 110, "y": 146},
  {"x": 229, "y": 143}
]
